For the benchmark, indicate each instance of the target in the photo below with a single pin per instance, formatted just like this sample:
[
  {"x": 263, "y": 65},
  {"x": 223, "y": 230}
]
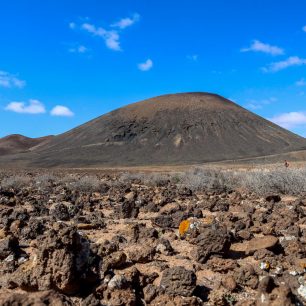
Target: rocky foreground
[{"x": 65, "y": 240}]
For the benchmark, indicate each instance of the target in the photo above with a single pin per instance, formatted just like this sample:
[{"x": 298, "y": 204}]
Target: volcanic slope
[
  {"x": 18, "y": 143},
  {"x": 182, "y": 128}
]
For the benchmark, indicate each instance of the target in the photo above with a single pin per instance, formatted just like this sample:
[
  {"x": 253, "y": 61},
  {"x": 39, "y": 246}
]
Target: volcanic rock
[
  {"x": 229, "y": 283},
  {"x": 8, "y": 246},
  {"x": 60, "y": 263},
  {"x": 212, "y": 240},
  {"x": 258, "y": 243},
  {"x": 178, "y": 281},
  {"x": 36, "y": 298}
]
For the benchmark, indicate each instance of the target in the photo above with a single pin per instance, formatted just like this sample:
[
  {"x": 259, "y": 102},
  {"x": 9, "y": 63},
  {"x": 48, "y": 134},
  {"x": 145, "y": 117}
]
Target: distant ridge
[
  {"x": 18, "y": 143},
  {"x": 184, "y": 128}
]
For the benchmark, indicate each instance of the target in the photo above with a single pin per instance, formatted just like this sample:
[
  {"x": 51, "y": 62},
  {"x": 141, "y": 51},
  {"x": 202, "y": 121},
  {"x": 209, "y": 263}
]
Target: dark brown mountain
[
  {"x": 171, "y": 129},
  {"x": 18, "y": 143}
]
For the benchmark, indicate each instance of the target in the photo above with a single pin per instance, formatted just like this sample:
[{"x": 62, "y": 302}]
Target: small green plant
[
  {"x": 229, "y": 299},
  {"x": 175, "y": 179}
]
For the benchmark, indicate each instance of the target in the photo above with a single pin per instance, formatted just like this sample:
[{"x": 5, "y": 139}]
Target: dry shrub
[
  {"x": 259, "y": 181},
  {"x": 128, "y": 177},
  {"x": 203, "y": 179},
  {"x": 157, "y": 179},
  {"x": 85, "y": 184},
  {"x": 15, "y": 182},
  {"x": 149, "y": 179},
  {"x": 45, "y": 179},
  {"x": 68, "y": 179},
  {"x": 284, "y": 181}
]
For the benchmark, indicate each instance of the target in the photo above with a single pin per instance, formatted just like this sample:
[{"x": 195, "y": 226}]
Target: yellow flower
[{"x": 184, "y": 226}]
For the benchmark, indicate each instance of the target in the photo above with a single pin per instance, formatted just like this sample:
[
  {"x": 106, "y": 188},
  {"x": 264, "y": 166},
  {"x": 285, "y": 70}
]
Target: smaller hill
[{"x": 18, "y": 143}]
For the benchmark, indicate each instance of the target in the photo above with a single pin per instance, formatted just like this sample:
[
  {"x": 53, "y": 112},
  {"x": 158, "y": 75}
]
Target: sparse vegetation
[
  {"x": 45, "y": 179},
  {"x": 85, "y": 184},
  {"x": 260, "y": 181},
  {"x": 15, "y": 181},
  {"x": 150, "y": 179}
]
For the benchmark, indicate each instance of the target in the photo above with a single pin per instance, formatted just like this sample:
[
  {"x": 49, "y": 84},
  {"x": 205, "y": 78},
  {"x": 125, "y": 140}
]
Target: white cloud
[
  {"x": 60, "y": 110},
  {"x": 33, "y": 107},
  {"x": 300, "y": 82},
  {"x": 9, "y": 80},
  {"x": 290, "y": 120},
  {"x": 36, "y": 107},
  {"x": 304, "y": 28},
  {"x": 126, "y": 22},
  {"x": 111, "y": 38},
  {"x": 289, "y": 62},
  {"x": 258, "y": 46},
  {"x": 79, "y": 49},
  {"x": 193, "y": 57},
  {"x": 147, "y": 65}
]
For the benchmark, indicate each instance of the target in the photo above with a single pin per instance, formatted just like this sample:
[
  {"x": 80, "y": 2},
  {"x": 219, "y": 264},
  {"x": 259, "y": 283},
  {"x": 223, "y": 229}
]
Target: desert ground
[{"x": 215, "y": 235}]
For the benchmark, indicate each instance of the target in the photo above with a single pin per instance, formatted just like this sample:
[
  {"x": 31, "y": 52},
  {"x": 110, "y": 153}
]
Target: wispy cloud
[
  {"x": 258, "y": 46},
  {"x": 259, "y": 104},
  {"x": 192, "y": 57},
  {"x": 78, "y": 49},
  {"x": 111, "y": 38},
  {"x": 9, "y": 80},
  {"x": 72, "y": 25},
  {"x": 304, "y": 28},
  {"x": 62, "y": 111},
  {"x": 126, "y": 22},
  {"x": 290, "y": 120},
  {"x": 253, "y": 106},
  {"x": 289, "y": 62},
  {"x": 33, "y": 107},
  {"x": 147, "y": 65},
  {"x": 93, "y": 29},
  {"x": 301, "y": 82}
]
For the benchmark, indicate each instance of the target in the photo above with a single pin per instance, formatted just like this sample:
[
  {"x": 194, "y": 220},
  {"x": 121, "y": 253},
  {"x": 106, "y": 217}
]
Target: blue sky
[{"x": 65, "y": 62}]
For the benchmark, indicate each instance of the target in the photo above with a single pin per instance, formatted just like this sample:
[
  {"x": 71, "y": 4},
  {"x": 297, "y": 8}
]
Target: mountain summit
[{"x": 170, "y": 129}]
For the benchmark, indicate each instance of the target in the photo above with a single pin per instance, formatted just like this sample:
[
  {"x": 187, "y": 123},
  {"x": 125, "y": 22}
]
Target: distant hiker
[{"x": 286, "y": 164}]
